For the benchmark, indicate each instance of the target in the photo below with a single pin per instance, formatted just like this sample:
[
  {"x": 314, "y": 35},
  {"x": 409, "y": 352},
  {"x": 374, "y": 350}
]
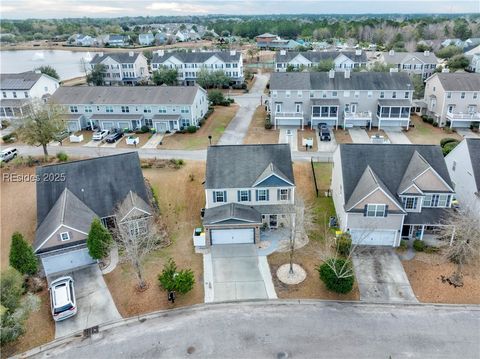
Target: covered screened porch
[
  {"x": 393, "y": 113},
  {"x": 325, "y": 111}
]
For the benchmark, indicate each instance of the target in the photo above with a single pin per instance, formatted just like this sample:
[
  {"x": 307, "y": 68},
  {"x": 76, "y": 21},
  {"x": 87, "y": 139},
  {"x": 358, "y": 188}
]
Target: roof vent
[
  {"x": 331, "y": 74},
  {"x": 283, "y": 52},
  {"x": 358, "y": 52},
  {"x": 391, "y": 52},
  {"x": 131, "y": 53},
  {"x": 233, "y": 52},
  {"x": 160, "y": 52},
  {"x": 426, "y": 53},
  {"x": 347, "y": 74}
]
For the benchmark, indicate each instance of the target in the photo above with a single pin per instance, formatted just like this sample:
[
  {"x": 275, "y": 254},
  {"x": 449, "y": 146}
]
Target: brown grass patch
[
  {"x": 181, "y": 199},
  {"x": 425, "y": 272},
  {"x": 214, "y": 126},
  {"x": 256, "y": 131},
  {"x": 342, "y": 136},
  {"x": 425, "y": 134},
  {"x": 307, "y": 133}
]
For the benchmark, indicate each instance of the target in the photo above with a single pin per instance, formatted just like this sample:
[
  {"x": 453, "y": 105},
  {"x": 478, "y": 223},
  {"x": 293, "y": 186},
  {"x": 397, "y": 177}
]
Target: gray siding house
[
  {"x": 383, "y": 194},
  {"x": 342, "y": 60},
  {"x": 255, "y": 190},
  {"x": 164, "y": 108},
  {"x": 122, "y": 67},
  {"x": 413, "y": 63},
  {"x": 70, "y": 195},
  {"x": 345, "y": 99}
]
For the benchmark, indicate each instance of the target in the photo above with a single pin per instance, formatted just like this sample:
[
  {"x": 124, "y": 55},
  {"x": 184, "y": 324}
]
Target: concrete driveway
[
  {"x": 326, "y": 146},
  {"x": 359, "y": 135},
  {"x": 94, "y": 302},
  {"x": 236, "y": 273},
  {"x": 397, "y": 137},
  {"x": 464, "y": 132},
  {"x": 380, "y": 276}
]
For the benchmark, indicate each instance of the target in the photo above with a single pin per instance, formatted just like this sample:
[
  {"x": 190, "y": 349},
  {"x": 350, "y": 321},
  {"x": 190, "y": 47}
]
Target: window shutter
[
  {"x": 238, "y": 196},
  {"x": 256, "y": 195},
  {"x": 386, "y": 211},
  {"x": 225, "y": 196},
  {"x": 268, "y": 195},
  {"x": 278, "y": 195},
  {"x": 365, "y": 210},
  {"x": 249, "y": 196},
  {"x": 214, "y": 197}
]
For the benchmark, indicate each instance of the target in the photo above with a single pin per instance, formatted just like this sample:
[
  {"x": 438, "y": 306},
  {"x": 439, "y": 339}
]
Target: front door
[
  {"x": 273, "y": 222},
  {"x": 353, "y": 107}
]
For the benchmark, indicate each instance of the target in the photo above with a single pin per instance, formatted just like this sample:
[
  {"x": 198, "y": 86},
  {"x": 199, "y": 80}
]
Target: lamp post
[{"x": 210, "y": 139}]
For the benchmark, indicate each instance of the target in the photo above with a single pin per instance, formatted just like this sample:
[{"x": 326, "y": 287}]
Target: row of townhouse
[
  {"x": 453, "y": 99},
  {"x": 413, "y": 63},
  {"x": 19, "y": 89},
  {"x": 342, "y": 60},
  {"x": 132, "y": 67},
  {"x": 164, "y": 108},
  {"x": 366, "y": 99}
]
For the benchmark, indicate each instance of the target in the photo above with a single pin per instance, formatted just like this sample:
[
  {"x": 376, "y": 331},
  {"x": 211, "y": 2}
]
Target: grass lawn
[
  {"x": 308, "y": 256},
  {"x": 323, "y": 174},
  {"x": 257, "y": 133},
  {"x": 425, "y": 273},
  {"x": 307, "y": 133},
  {"x": 214, "y": 126},
  {"x": 342, "y": 136},
  {"x": 425, "y": 134},
  {"x": 181, "y": 197}
]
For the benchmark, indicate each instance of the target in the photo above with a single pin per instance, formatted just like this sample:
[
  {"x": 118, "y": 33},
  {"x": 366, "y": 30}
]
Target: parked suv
[
  {"x": 62, "y": 298},
  {"x": 114, "y": 137},
  {"x": 100, "y": 135},
  {"x": 8, "y": 154},
  {"x": 324, "y": 132}
]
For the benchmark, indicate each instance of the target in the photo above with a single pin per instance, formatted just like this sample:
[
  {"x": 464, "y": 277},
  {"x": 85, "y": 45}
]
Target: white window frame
[
  {"x": 410, "y": 203},
  {"x": 262, "y": 193},
  {"x": 64, "y": 236},
  {"x": 243, "y": 195},
  {"x": 220, "y": 198},
  {"x": 137, "y": 227},
  {"x": 378, "y": 210},
  {"x": 284, "y": 194}
]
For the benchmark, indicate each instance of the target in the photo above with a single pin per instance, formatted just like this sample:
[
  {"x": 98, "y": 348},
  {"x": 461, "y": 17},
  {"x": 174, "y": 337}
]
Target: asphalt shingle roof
[
  {"x": 239, "y": 166},
  {"x": 459, "y": 81},
  {"x": 125, "y": 95},
  {"x": 20, "y": 81},
  {"x": 120, "y": 57},
  {"x": 231, "y": 212},
  {"x": 400, "y": 57},
  {"x": 197, "y": 57},
  {"x": 317, "y": 56},
  {"x": 473, "y": 145},
  {"x": 357, "y": 81}
]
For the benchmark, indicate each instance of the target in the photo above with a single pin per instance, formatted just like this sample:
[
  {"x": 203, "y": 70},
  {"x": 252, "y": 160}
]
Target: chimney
[
  {"x": 160, "y": 52},
  {"x": 233, "y": 52},
  {"x": 131, "y": 53},
  {"x": 283, "y": 52},
  {"x": 347, "y": 74},
  {"x": 426, "y": 53},
  {"x": 393, "y": 69},
  {"x": 331, "y": 74},
  {"x": 391, "y": 52},
  {"x": 358, "y": 52}
]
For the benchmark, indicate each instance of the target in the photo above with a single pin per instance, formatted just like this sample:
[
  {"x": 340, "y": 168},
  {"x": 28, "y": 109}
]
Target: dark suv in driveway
[
  {"x": 324, "y": 132},
  {"x": 114, "y": 137}
]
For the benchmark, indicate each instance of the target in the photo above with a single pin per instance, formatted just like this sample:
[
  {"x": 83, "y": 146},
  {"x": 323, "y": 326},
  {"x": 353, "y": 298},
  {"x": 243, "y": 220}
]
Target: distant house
[
  {"x": 181, "y": 36},
  {"x": 247, "y": 187},
  {"x": 66, "y": 209},
  {"x": 463, "y": 164},
  {"x": 341, "y": 60},
  {"x": 474, "y": 65},
  {"x": 122, "y": 67},
  {"x": 264, "y": 41},
  {"x": 189, "y": 64},
  {"x": 146, "y": 39},
  {"x": 82, "y": 40},
  {"x": 161, "y": 38},
  {"x": 19, "y": 89},
  {"x": 118, "y": 40},
  {"x": 413, "y": 63},
  {"x": 385, "y": 193}
]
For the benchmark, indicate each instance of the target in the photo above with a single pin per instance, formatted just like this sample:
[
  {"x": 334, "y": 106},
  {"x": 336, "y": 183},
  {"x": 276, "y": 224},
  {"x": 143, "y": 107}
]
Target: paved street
[{"x": 287, "y": 329}]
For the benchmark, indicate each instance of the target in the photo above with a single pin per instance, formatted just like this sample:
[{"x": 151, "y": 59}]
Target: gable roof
[
  {"x": 459, "y": 81},
  {"x": 196, "y": 57},
  {"x": 131, "y": 202},
  {"x": 357, "y": 81},
  {"x": 317, "y": 56},
  {"x": 68, "y": 210},
  {"x": 120, "y": 57},
  {"x": 416, "y": 166},
  {"x": 271, "y": 170},
  {"x": 389, "y": 163},
  {"x": 473, "y": 145},
  {"x": 20, "y": 81},
  {"x": 124, "y": 95},
  {"x": 240, "y": 166},
  {"x": 231, "y": 212},
  {"x": 399, "y": 57},
  {"x": 100, "y": 183}
]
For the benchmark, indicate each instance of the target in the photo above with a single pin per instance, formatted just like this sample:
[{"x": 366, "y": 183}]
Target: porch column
[
  {"x": 453, "y": 235},
  {"x": 421, "y": 233},
  {"x": 21, "y": 111}
]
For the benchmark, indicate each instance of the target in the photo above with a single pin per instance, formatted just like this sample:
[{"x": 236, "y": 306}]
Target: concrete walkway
[
  {"x": 289, "y": 135},
  {"x": 359, "y": 135},
  {"x": 398, "y": 137},
  {"x": 153, "y": 141},
  {"x": 113, "y": 260},
  {"x": 467, "y": 133},
  {"x": 208, "y": 278}
]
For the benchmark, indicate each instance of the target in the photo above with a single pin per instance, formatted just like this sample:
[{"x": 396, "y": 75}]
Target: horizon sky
[{"x": 53, "y": 9}]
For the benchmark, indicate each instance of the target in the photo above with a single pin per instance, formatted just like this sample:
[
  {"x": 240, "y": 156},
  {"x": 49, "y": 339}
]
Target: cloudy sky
[{"x": 21, "y": 9}]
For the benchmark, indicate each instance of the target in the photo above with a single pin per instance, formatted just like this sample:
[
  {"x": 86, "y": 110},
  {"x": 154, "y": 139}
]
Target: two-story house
[
  {"x": 341, "y": 60},
  {"x": 122, "y": 67},
  {"x": 474, "y": 65},
  {"x": 413, "y": 63},
  {"x": 164, "y": 108},
  {"x": 383, "y": 194},
  {"x": 117, "y": 40},
  {"x": 247, "y": 187},
  {"x": 19, "y": 89},
  {"x": 189, "y": 64},
  {"x": 264, "y": 41},
  {"x": 146, "y": 39},
  {"x": 67, "y": 206},
  {"x": 453, "y": 99},
  {"x": 463, "y": 164},
  {"x": 346, "y": 99}
]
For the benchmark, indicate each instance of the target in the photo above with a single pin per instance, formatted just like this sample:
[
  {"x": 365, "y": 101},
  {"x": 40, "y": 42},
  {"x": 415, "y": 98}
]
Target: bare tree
[{"x": 462, "y": 229}]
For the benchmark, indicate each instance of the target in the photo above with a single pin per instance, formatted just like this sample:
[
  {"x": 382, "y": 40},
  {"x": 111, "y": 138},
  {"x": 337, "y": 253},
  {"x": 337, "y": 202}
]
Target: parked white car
[
  {"x": 62, "y": 298},
  {"x": 8, "y": 154},
  {"x": 100, "y": 135}
]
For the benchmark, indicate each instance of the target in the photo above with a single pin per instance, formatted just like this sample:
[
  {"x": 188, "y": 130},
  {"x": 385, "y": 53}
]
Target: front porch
[
  {"x": 282, "y": 119},
  {"x": 14, "y": 108},
  {"x": 324, "y": 111},
  {"x": 164, "y": 123},
  {"x": 123, "y": 122},
  {"x": 393, "y": 113},
  {"x": 357, "y": 119}
]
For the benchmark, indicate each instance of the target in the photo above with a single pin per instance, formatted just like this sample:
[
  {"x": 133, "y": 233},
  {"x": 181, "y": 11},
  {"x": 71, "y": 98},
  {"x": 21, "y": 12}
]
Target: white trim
[
  {"x": 234, "y": 218},
  {"x": 412, "y": 185},
  {"x": 368, "y": 195},
  {"x": 273, "y": 174},
  {"x": 60, "y": 226},
  {"x": 436, "y": 173},
  {"x": 141, "y": 210}
]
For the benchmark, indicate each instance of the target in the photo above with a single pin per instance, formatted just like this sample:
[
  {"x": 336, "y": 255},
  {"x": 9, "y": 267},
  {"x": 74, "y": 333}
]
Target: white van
[{"x": 7, "y": 154}]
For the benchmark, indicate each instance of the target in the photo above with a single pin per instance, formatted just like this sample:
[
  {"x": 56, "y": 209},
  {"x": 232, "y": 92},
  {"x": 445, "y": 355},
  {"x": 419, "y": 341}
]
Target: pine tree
[{"x": 22, "y": 257}]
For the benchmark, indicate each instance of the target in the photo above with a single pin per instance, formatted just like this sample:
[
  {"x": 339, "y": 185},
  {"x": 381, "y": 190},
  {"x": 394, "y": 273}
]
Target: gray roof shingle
[
  {"x": 240, "y": 166},
  {"x": 357, "y": 81},
  {"x": 124, "y": 95},
  {"x": 197, "y": 57},
  {"x": 317, "y": 56},
  {"x": 459, "y": 81},
  {"x": 20, "y": 81},
  {"x": 473, "y": 145},
  {"x": 120, "y": 57},
  {"x": 231, "y": 212},
  {"x": 400, "y": 57}
]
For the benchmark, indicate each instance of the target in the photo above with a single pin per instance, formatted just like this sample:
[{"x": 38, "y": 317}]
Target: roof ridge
[{"x": 64, "y": 204}]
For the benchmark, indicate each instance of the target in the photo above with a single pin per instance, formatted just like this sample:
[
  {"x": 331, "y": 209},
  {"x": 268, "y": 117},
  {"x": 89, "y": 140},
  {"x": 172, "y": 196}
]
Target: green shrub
[
  {"x": 446, "y": 140},
  {"x": 192, "y": 129},
  {"x": 62, "y": 156},
  {"x": 332, "y": 281},
  {"x": 177, "y": 163},
  {"x": 99, "y": 240},
  {"x": 418, "y": 245},
  {"x": 435, "y": 124},
  {"x": 403, "y": 244},
  {"x": 178, "y": 281},
  {"x": 11, "y": 285},
  {"x": 215, "y": 97},
  {"x": 10, "y": 138},
  {"x": 424, "y": 118},
  {"x": 449, "y": 147},
  {"x": 344, "y": 245},
  {"x": 22, "y": 257},
  {"x": 155, "y": 196},
  {"x": 430, "y": 249},
  {"x": 144, "y": 129}
]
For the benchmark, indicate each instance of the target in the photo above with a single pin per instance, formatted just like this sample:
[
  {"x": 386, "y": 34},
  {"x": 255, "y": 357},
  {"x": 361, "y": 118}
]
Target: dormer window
[{"x": 65, "y": 236}]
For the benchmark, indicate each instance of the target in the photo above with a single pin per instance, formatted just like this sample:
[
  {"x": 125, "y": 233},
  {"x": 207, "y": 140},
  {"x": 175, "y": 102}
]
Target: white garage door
[
  {"x": 73, "y": 126},
  {"x": 232, "y": 236},
  {"x": 107, "y": 125},
  {"x": 373, "y": 238},
  {"x": 161, "y": 126},
  {"x": 66, "y": 261}
]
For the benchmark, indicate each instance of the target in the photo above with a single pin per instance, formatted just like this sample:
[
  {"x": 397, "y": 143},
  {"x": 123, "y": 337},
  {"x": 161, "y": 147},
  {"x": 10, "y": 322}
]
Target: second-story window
[
  {"x": 14, "y": 94},
  {"x": 147, "y": 109},
  {"x": 410, "y": 203},
  {"x": 108, "y": 109},
  {"x": 475, "y": 95},
  {"x": 88, "y": 109},
  {"x": 125, "y": 109},
  {"x": 375, "y": 210},
  {"x": 219, "y": 196},
  {"x": 287, "y": 94},
  {"x": 162, "y": 110},
  {"x": 407, "y": 94},
  {"x": 283, "y": 194},
  {"x": 394, "y": 94},
  {"x": 382, "y": 94},
  {"x": 244, "y": 196},
  {"x": 262, "y": 195},
  {"x": 449, "y": 95},
  {"x": 73, "y": 109},
  {"x": 436, "y": 200},
  {"x": 4, "y": 94},
  {"x": 25, "y": 94}
]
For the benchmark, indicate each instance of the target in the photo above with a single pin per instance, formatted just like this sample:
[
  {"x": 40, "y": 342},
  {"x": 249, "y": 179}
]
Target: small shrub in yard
[
  {"x": 449, "y": 147},
  {"x": 344, "y": 245},
  {"x": 446, "y": 140},
  {"x": 430, "y": 249},
  {"x": 177, "y": 164},
  {"x": 215, "y": 97},
  {"x": 418, "y": 245},
  {"x": 22, "y": 257},
  {"x": 172, "y": 279},
  {"x": 403, "y": 244},
  {"x": 333, "y": 281},
  {"x": 268, "y": 124},
  {"x": 62, "y": 156},
  {"x": 192, "y": 129}
]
